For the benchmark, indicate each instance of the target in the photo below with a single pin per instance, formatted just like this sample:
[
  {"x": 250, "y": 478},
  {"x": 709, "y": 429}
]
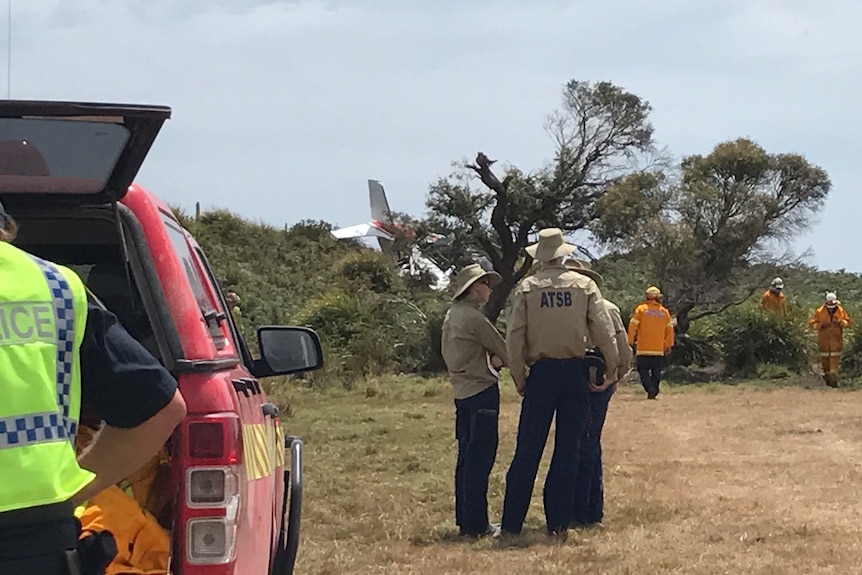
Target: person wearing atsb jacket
[
  {"x": 474, "y": 351},
  {"x": 59, "y": 351},
  {"x": 553, "y": 312},
  {"x": 589, "y": 486}
]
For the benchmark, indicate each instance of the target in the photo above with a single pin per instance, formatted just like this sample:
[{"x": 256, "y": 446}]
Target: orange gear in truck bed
[{"x": 143, "y": 545}]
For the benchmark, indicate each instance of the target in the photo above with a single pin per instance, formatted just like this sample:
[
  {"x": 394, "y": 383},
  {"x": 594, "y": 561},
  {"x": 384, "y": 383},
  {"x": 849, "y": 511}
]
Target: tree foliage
[
  {"x": 701, "y": 228},
  {"x": 600, "y": 132}
]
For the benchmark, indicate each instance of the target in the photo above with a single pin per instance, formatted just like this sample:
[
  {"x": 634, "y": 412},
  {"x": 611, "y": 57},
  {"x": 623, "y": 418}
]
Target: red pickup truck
[{"x": 66, "y": 172}]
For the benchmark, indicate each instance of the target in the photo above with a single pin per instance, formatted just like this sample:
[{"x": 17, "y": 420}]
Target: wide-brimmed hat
[
  {"x": 470, "y": 275},
  {"x": 583, "y": 268},
  {"x": 550, "y": 246}
]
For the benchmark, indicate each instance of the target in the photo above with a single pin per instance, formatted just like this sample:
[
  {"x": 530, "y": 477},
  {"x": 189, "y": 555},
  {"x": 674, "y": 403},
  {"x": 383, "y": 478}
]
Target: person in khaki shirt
[
  {"x": 553, "y": 313},
  {"x": 473, "y": 350},
  {"x": 589, "y": 485}
]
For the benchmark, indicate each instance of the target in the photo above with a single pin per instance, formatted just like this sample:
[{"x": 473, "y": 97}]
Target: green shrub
[
  {"x": 367, "y": 333},
  {"x": 851, "y": 359},
  {"x": 693, "y": 349},
  {"x": 370, "y": 270},
  {"x": 351, "y": 331},
  {"x": 749, "y": 337},
  {"x": 433, "y": 334}
]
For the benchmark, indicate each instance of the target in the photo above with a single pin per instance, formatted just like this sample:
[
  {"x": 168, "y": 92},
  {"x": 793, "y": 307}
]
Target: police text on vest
[{"x": 26, "y": 322}]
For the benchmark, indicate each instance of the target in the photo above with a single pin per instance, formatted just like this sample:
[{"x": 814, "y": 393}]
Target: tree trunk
[
  {"x": 683, "y": 323},
  {"x": 498, "y": 299}
]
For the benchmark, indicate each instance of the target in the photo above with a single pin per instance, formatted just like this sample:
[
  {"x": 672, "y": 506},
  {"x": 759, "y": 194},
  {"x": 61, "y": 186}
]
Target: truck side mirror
[{"x": 285, "y": 350}]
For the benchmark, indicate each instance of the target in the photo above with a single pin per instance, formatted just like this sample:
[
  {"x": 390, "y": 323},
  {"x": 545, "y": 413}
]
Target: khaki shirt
[
  {"x": 620, "y": 335},
  {"x": 469, "y": 340},
  {"x": 554, "y": 312}
]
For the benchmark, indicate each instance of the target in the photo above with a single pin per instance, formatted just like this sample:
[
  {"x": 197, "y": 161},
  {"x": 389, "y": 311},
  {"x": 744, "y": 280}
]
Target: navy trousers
[
  {"x": 589, "y": 486},
  {"x": 37, "y": 548},
  {"x": 649, "y": 370},
  {"x": 554, "y": 387},
  {"x": 53, "y": 564},
  {"x": 476, "y": 420}
]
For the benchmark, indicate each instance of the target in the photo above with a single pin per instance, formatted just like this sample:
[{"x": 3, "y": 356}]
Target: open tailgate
[{"x": 73, "y": 153}]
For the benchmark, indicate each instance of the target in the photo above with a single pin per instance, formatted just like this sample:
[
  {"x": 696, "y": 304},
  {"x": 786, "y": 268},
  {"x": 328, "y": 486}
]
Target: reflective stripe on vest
[
  {"x": 31, "y": 429},
  {"x": 21, "y": 430},
  {"x": 64, "y": 317}
]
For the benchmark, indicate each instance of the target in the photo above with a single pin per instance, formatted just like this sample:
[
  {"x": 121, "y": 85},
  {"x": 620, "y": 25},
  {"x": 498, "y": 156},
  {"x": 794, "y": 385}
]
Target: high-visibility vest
[{"x": 43, "y": 312}]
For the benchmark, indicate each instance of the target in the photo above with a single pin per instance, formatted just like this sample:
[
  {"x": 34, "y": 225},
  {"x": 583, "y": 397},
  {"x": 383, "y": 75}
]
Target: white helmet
[
  {"x": 831, "y": 299},
  {"x": 778, "y": 283}
]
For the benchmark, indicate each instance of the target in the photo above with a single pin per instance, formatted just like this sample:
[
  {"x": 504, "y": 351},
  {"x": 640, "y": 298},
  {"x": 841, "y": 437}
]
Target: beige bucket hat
[
  {"x": 470, "y": 275},
  {"x": 550, "y": 246},
  {"x": 584, "y": 268}
]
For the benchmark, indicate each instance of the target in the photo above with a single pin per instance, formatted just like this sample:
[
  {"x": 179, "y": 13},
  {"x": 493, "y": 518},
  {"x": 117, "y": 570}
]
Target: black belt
[
  {"x": 49, "y": 529},
  {"x": 35, "y": 515},
  {"x": 38, "y": 531}
]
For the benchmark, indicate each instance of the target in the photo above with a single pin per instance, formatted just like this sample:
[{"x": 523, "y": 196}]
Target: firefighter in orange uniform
[
  {"x": 829, "y": 320},
  {"x": 773, "y": 298},
  {"x": 651, "y": 332}
]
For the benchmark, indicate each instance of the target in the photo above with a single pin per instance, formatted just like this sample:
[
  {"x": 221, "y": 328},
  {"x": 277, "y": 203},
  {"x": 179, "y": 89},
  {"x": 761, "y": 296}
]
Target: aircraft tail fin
[{"x": 379, "y": 206}]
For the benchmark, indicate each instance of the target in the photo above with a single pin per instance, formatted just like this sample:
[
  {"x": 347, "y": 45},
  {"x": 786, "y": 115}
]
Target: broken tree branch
[{"x": 498, "y": 215}]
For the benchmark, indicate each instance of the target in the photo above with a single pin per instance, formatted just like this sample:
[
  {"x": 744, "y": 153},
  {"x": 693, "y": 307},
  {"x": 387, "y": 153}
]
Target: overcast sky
[{"x": 283, "y": 109}]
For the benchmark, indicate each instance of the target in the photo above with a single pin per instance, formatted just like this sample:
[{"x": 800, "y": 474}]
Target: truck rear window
[{"x": 58, "y": 155}]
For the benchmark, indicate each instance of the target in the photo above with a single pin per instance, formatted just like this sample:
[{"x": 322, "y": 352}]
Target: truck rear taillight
[
  {"x": 213, "y": 488},
  {"x": 214, "y": 439},
  {"x": 210, "y": 541}
]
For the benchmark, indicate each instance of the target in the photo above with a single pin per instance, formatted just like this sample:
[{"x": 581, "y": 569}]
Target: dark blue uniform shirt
[{"x": 120, "y": 379}]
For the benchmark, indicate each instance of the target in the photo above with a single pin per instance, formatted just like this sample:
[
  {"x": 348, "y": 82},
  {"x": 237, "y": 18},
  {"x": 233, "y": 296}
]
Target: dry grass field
[{"x": 713, "y": 479}]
